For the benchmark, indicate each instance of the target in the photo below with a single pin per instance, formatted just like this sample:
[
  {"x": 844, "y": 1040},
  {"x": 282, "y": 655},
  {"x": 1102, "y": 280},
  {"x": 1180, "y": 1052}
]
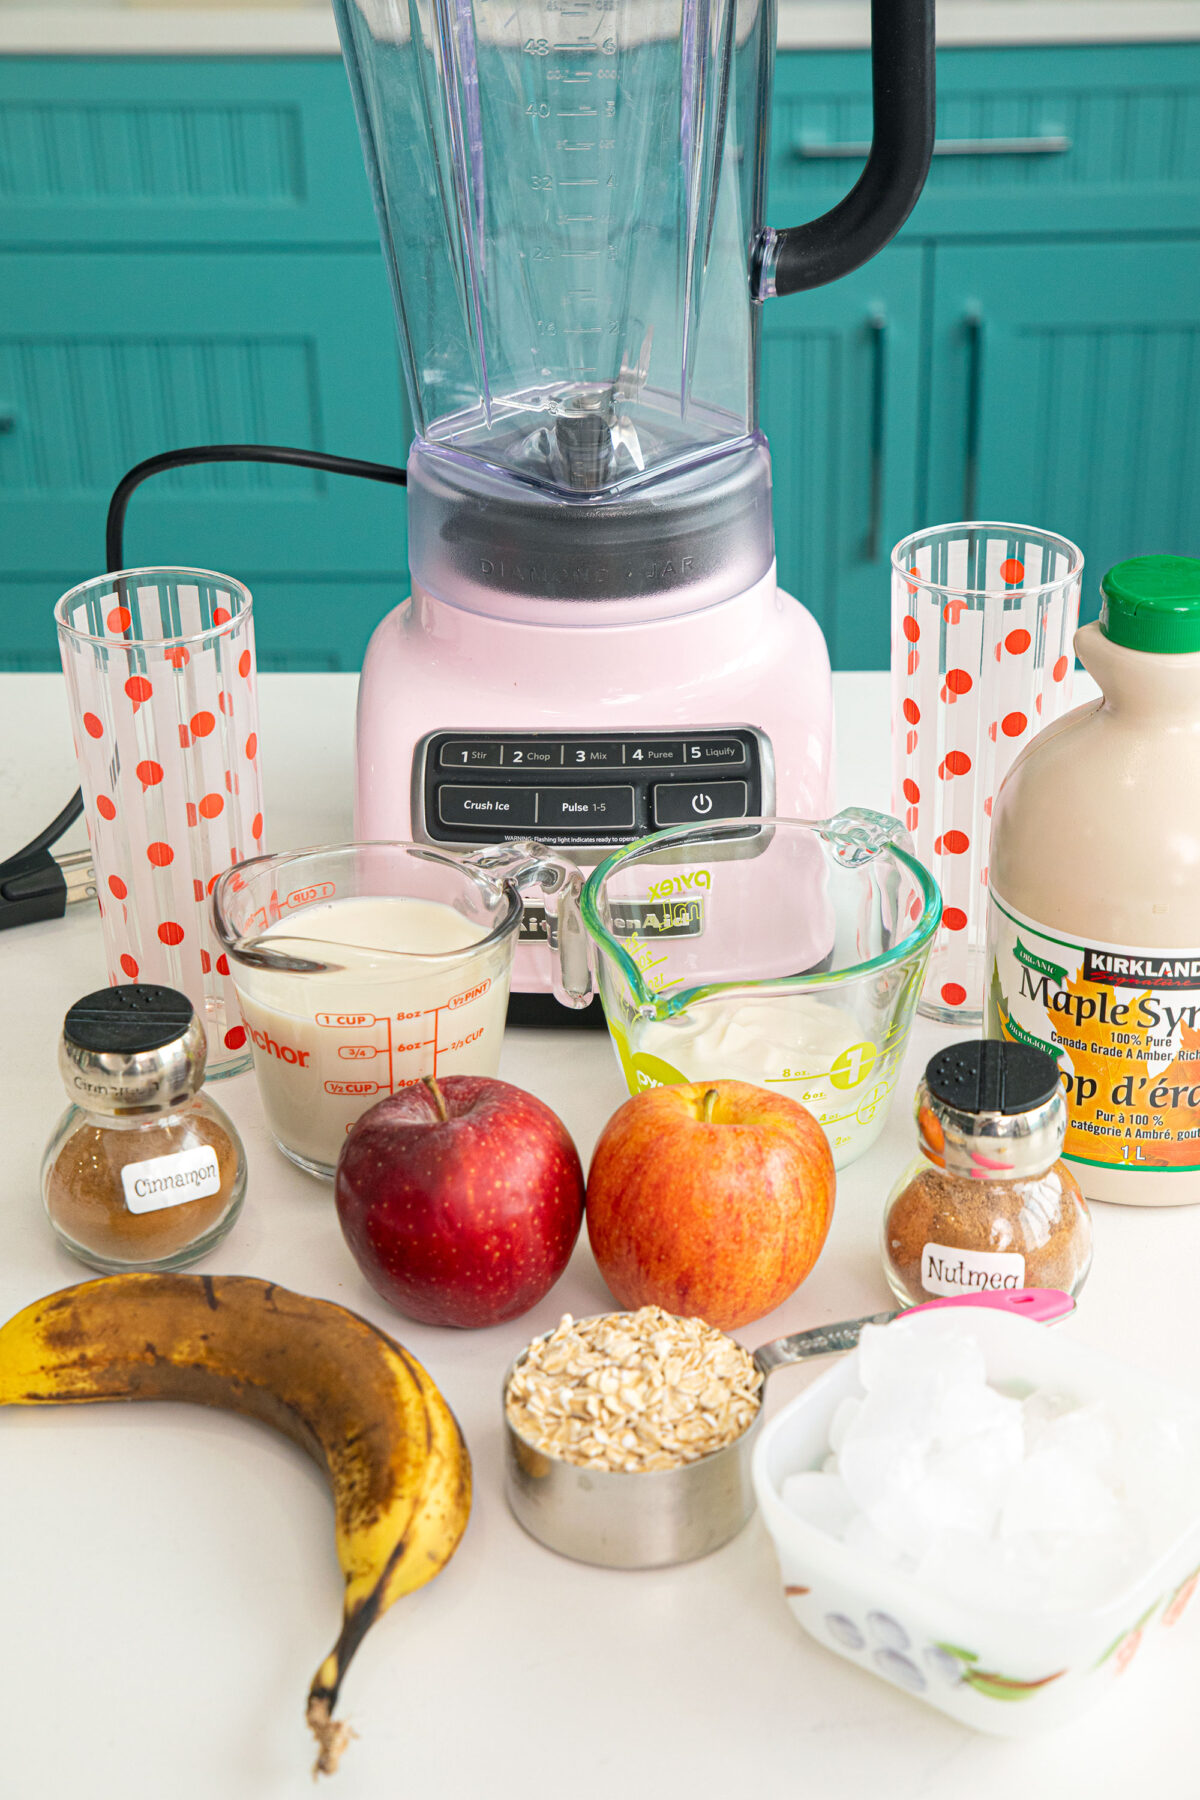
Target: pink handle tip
[{"x": 1039, "y": 1304}]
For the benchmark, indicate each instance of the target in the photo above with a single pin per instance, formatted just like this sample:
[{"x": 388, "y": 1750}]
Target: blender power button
[{"x": 687, "y": 802}]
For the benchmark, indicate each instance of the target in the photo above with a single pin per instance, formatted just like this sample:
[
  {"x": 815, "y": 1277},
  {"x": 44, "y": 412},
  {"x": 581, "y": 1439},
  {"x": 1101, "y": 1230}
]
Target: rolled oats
[{"x": 668, "y": 1390}]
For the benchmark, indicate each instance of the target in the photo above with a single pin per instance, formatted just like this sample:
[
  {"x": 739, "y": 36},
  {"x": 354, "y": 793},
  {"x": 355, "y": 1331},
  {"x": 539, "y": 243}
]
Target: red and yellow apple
[{"x": 711, "y": 1199}]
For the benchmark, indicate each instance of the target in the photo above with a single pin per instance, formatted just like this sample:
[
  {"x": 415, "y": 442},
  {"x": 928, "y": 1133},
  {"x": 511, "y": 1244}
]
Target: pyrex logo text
[{"x": 679, "y": 884}]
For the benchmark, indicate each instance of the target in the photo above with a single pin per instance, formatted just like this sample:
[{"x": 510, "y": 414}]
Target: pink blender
[{"x": 570, "y": 198}]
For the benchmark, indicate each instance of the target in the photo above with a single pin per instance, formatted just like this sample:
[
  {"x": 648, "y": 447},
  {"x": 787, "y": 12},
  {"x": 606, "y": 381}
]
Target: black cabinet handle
[
  {"x": 973, "y": 326},
  {"x": 877, "y": 330}
]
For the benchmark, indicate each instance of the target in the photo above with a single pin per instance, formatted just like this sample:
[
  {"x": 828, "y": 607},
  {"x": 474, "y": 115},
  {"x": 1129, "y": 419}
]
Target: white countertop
[
  {"x": 308, "y": 30},
  {"x": 168, "y": 1573}
]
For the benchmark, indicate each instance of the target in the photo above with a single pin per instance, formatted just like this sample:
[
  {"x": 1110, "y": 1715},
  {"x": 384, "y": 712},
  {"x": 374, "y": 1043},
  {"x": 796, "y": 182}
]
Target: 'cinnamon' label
[
  {"x": 171, "y": 1180},
  {"x": 945, "y": 1270},
  {"x": 1124, "y": 1024}
]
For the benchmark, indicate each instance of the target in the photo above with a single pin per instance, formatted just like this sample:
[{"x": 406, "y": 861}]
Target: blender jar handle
[
  {"x": 870, "y": 215},
  {"x": 526, "y": 864}
]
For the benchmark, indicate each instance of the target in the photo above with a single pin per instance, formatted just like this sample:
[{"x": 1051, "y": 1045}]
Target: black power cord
[{"x": 34, "y": 884}]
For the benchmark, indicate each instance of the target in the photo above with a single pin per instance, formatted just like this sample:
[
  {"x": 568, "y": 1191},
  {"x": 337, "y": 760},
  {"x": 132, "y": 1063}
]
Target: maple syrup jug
[{"x": 1094, "y": 893}]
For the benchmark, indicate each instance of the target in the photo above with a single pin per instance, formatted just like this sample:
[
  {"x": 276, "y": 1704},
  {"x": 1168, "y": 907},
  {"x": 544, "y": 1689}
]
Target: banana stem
[
  {"x": 332, "y": 1735},
  {"x": 439, "y": 1099}
]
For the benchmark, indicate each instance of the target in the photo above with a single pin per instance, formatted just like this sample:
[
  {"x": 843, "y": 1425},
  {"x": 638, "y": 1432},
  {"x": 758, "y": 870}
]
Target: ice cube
[
  {"x": 820, "y": 1500},
  {"x": 895, "y": 1355}
]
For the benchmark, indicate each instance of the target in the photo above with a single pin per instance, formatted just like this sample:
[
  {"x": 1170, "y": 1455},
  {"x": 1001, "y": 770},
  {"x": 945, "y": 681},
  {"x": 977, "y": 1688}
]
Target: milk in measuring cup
[
  {"x": 327, "y": 1046},
  {"x": 797, "y": 1045}
]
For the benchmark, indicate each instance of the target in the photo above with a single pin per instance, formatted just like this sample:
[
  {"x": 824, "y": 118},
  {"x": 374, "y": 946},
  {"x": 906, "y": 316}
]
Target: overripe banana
[{"x": 343, "y": 1390}]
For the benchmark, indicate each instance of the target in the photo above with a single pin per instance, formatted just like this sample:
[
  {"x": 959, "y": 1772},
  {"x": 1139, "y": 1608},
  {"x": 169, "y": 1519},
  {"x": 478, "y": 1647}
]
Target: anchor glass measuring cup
[
  {"x": 785, "y": 952},
  {"x": 363, "y": 967}
]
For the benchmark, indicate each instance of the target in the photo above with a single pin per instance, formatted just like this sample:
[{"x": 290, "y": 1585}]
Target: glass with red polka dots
[
  {"x": 983, "y": 616},
  {"x": 162, "y": 684}
]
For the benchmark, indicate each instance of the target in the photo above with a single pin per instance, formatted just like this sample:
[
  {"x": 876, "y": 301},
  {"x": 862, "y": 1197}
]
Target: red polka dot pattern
[
  {"x": 1017, "y": 642},
  {"x": 170, "y": 933},
  {"x": 958, "y": 681},
  {"x": 211, "y": 806},
  {"x": 149, "y": 773},
  {"x": 221, "y": 615},
  {"x": 910, "y": 709},
  {"x": 256, "y": 829},
  {"x": 235, "y": 1037},
  {"x": 957, "y": 762},
  {"x": 117, "y": 888},
  {"x": 1013, "y": 724},
  {"x": 954, "y": 918},
  {"x": 1012, "y": 570},
  {"x": 129, "y": 966},
  {"x": 910, "y": 790},
  {"x": 105, "y": 807},
  {"x": 202, "y": 724},
  {"x": 911, "y": 629},
  {"x": 1059, "y": 670},
  {"x": 160, "y": 854},
  {"x": 953, "y": 993},
  {"x": 252, "y": 746},
  {"x": 92, "y": 725},
  {"x": 222, "y": 965},
  {"x": 138, "y": 689},
  {"x": 243, "y": 671},
  {"x": 179, "y": 658},
  {"x": 119, "y": 619}
]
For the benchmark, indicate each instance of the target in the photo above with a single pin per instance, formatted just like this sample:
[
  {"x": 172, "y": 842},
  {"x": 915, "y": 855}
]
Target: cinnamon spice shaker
[
  {"x": 988, "y": 1205},
  {"x": 143, "y": 1171}
]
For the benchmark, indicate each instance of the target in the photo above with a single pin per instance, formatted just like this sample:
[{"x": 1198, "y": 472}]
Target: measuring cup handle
[{"x": 526, "y": 864}]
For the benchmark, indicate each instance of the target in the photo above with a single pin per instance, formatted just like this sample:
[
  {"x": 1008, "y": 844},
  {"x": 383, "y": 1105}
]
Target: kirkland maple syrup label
[{"x": 1124, "y": 1025}]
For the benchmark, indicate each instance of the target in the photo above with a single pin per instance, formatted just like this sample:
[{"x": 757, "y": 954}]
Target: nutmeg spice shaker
[
  {"x": 143, "y": 1171},
  {"x": 988, "y": 1205}
]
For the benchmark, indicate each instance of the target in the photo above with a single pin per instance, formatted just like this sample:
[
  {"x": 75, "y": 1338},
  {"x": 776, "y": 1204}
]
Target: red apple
[
  {"x": 711, "y": 1199},
  {"x": 461, "y": 1200}
]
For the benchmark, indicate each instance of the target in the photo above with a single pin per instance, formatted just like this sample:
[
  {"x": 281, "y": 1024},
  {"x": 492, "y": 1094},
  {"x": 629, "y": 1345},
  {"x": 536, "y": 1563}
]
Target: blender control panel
[{"x": 585, "y": 791}]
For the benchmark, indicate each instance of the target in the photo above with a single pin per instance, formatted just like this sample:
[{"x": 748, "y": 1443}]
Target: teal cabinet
[
  {"x": 840, "y": 392},
  {"x": 188, "y": 254},
  {"x": 1066, "y": 389}
]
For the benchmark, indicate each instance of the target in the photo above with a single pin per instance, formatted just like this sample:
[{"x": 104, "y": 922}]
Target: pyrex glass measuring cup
[
  {"x": 362, "y": 967},
  {"x": 779, "y": 951}
]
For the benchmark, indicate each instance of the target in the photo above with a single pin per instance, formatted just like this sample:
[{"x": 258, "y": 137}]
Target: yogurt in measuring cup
[{"x": 810, "y": 1049}]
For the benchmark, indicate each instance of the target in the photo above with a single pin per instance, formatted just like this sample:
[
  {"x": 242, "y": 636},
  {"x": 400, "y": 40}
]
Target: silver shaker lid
[
  {"x": 133, "y": 1048},
  {"x": 992, "y": 1110}
]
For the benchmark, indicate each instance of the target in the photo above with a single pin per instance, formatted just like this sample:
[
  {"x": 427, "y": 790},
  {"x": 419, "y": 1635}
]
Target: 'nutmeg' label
[
  {"x": 170, "y": 1180},
  {"x": 945, "y": 1270},
  {"x": 1124, "y": 1024}
]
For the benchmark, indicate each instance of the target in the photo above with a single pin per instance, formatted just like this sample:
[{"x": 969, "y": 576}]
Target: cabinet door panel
[
  {"x": 839, "y": 407},
  {"x": 1075, "y": 372},
  {"x": 107, "y": 359}
]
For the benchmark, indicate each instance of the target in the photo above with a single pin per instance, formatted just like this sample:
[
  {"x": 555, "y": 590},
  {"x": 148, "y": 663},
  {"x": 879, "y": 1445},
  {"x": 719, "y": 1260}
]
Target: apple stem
[
  {"x": 708, "y": 1104},
  {"x": 438, "y": 1097}
]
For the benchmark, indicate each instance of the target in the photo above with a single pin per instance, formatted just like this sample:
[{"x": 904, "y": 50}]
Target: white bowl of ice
[{"x": 986, "y": 1514}]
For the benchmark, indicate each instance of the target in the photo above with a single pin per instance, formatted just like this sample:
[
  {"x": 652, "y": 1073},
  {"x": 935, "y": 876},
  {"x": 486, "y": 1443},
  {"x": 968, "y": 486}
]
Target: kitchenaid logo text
[
  {"x": 1115, "y": 970},
  {"x": 573, "y": 576}
]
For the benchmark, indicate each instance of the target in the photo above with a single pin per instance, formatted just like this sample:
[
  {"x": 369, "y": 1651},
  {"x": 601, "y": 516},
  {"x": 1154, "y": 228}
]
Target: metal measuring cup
[{"x": 651, "y": 1518}]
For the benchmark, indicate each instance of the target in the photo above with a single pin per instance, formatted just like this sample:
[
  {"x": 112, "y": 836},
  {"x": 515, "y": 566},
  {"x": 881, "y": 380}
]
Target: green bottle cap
[{"x": 1153, "y": 603}]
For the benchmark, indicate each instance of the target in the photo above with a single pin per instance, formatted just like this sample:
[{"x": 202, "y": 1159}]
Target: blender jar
[
  {"x": 363, "y": 967},
  {"x": 784, "y": 952}
]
